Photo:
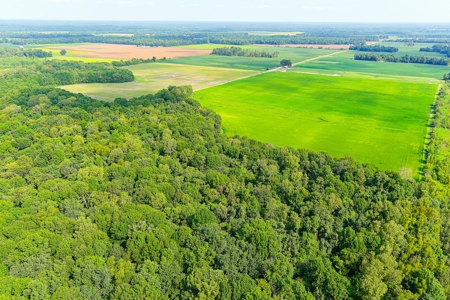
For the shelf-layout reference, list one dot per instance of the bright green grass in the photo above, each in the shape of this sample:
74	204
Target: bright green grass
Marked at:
250	63
153	77
343	62
375	121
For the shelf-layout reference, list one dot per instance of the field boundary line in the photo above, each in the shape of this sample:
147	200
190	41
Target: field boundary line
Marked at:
275	69
428	135
316	58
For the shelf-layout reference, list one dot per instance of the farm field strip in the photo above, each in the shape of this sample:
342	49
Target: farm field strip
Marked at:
382	122
248	63
117	52
152	77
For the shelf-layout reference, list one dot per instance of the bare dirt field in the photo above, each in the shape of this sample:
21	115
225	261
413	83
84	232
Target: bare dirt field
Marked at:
127	51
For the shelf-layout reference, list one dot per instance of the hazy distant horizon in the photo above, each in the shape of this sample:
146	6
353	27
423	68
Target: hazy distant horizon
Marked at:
341	11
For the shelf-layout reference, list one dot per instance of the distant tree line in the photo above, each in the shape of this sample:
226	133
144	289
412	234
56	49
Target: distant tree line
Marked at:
133	61
237	51
422	40
404	59
10	52
374	48
441	48
176	39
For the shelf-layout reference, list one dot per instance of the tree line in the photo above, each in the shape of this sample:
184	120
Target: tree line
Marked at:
403	59
175	39
374	48
18	52
237	51
133	61
441	48
422	40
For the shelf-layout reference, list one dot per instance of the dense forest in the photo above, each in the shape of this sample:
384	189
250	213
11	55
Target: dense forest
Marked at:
441	48
374	48
404	59
237	51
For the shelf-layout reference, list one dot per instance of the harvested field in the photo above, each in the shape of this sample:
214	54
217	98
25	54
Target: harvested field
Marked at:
153	77
126	52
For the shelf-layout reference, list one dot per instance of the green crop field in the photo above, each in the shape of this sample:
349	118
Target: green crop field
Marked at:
376	121
343	62
411	51
153	77
249	63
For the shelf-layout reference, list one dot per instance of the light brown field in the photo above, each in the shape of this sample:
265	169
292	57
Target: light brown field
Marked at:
112	51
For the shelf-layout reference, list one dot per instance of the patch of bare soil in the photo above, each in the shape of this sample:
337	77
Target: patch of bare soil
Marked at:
113	51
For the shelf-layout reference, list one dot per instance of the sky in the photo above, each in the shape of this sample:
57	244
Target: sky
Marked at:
229	10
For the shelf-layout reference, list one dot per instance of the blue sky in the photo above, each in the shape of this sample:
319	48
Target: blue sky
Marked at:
230	10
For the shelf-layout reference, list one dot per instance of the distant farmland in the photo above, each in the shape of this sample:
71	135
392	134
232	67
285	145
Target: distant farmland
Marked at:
375	121
125	52
248	63
343	62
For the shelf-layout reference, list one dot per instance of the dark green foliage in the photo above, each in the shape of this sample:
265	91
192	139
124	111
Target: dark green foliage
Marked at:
441	48
404	59
16	52
19	73
237	51
374	48
133	61
286	63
